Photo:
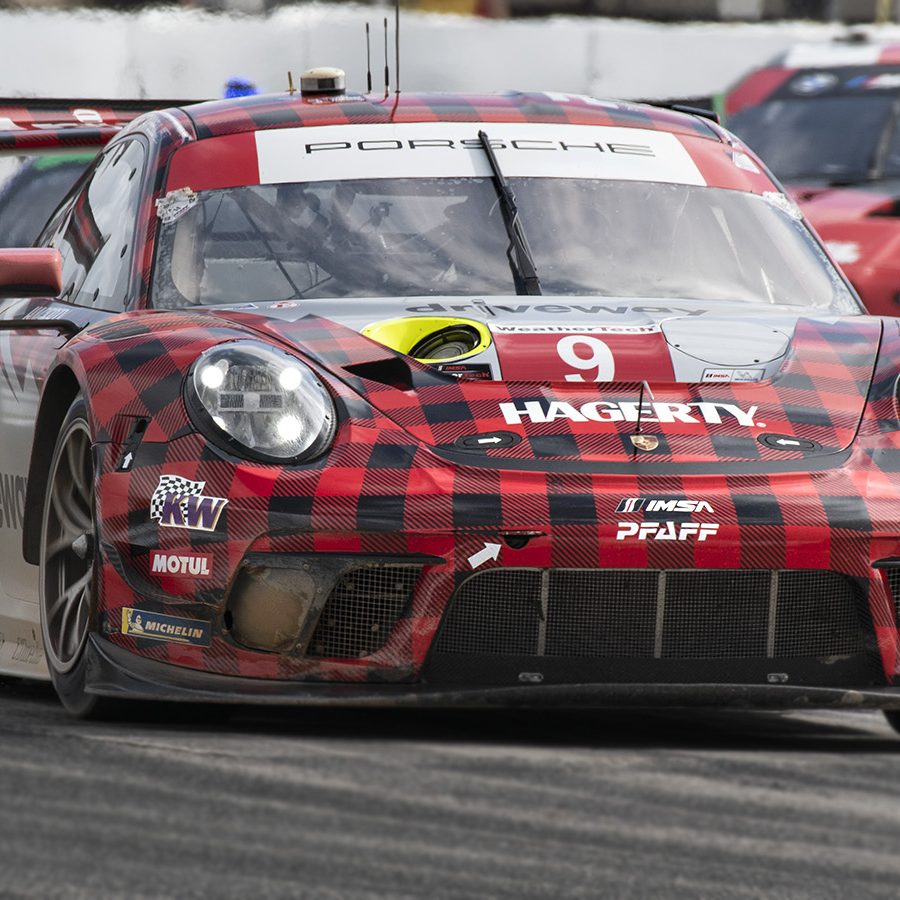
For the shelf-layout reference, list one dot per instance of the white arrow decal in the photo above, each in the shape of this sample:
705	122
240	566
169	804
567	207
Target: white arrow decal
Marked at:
490	440
490	551
786	441
126	462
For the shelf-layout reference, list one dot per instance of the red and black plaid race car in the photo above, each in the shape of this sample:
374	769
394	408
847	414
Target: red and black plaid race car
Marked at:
824	119
521	399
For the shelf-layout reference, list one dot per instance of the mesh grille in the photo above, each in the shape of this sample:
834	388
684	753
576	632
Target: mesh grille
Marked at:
362	610
624	613
817	624
893	579
511	627
714	615
582	621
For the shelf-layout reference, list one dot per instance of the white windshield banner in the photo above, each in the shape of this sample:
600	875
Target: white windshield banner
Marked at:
453	150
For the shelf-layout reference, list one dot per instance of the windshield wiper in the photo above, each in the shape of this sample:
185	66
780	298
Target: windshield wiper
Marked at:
521	262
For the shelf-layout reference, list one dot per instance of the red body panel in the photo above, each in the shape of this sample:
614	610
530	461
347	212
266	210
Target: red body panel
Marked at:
862	231
30	270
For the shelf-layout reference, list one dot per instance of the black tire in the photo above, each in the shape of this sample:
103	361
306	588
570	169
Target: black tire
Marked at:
68	564
893	718
67	595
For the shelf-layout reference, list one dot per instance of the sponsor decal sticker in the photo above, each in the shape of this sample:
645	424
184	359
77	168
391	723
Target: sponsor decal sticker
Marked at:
180	503
195	564
453	150
729	375
662	504
28	652
666	531
175	204
552	309
157	627
478	371
712	413
12	500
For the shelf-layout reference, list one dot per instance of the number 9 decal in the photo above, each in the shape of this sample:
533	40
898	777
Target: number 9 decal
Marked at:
598	357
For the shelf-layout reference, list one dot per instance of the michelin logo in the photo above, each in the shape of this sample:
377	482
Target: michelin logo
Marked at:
711	413
142	624
180	503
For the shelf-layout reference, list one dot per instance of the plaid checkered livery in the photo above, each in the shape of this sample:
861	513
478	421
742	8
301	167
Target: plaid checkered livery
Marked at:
393	483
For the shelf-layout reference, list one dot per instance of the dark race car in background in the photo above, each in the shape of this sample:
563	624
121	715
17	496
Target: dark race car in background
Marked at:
826	120
442	399
45	146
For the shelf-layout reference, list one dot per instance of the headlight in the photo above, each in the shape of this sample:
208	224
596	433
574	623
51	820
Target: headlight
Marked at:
260	402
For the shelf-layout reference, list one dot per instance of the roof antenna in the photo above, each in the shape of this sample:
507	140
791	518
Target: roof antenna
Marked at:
368	62
291	89
397	46
387	72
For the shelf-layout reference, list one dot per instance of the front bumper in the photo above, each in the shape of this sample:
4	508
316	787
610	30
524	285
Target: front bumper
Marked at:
114	672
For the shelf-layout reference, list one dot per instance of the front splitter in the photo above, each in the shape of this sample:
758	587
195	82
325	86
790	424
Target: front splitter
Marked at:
114	672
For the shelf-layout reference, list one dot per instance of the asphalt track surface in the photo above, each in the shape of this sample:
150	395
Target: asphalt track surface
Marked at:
348	804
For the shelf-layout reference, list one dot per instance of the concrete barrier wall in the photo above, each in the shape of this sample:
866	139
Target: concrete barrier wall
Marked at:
186	53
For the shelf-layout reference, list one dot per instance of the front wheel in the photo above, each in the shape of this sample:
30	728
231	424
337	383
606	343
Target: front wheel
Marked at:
68	579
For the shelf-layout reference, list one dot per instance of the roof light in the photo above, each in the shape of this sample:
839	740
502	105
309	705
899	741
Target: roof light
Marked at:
322	80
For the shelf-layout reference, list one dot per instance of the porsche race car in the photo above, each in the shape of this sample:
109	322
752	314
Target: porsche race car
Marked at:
325	398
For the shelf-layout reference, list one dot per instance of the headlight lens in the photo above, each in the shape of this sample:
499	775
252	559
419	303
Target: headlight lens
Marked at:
261	401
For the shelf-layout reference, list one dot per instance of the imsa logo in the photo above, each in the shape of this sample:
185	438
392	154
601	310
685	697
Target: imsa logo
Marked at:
662	504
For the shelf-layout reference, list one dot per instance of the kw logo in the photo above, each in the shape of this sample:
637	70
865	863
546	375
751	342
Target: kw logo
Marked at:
180	503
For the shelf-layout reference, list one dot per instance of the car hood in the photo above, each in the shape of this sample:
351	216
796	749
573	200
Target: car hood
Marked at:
702	383
823	204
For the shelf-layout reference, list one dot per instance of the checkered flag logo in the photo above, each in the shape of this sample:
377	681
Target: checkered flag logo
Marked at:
182	488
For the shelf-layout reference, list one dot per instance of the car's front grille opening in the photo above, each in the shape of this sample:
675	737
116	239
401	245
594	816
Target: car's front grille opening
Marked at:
677	614
362	610
577	625
893	579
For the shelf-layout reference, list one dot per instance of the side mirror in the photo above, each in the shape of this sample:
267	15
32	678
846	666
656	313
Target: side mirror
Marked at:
30	272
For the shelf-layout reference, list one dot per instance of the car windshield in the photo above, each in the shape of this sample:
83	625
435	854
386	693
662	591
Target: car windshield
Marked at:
835	139
420	236
31	187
